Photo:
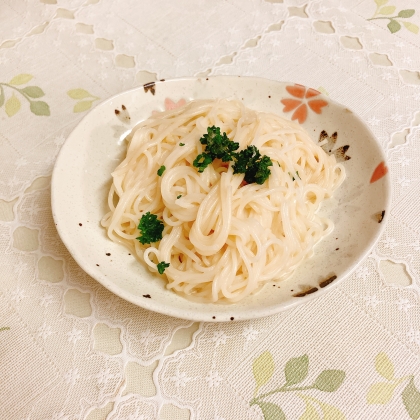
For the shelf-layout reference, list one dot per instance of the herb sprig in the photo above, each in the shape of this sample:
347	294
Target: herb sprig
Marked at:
218	146
162	266
253	165
248	161
150	228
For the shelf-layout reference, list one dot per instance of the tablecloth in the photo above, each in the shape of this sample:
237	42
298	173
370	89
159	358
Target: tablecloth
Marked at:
70	349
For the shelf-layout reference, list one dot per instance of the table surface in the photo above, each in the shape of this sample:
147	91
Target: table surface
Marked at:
70	349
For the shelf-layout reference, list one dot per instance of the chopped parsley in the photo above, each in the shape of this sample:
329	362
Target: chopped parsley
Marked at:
218	146
202	161
293	178
162	266
248	161
161	170
150	228
255	167
179	196
182	144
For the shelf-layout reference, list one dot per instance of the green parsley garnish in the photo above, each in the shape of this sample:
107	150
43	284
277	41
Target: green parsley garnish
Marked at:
253	165
182	144
150	228
161	170
218	146
202	161
293	178
179	196
162	266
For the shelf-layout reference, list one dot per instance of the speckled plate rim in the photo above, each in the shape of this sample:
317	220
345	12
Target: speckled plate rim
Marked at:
155	305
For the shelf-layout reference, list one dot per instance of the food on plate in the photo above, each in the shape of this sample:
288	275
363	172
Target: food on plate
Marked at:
220	199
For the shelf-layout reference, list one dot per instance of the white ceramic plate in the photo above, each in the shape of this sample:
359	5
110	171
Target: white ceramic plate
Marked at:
81	181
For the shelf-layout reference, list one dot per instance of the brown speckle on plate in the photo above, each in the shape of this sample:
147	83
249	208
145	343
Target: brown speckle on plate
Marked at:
80	224
162	80
97	265
108	254
147	296
380	216
340	153
232	318
337	249
123	115
327	281
150	87
306	292
328	147
213	317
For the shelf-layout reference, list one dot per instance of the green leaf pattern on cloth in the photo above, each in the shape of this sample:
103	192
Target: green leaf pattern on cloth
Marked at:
4	328
310	412
12	105
394	24
383	392
263	369
11	95
384	366
296	370
329	380
80	94
271	411
21	79
411	399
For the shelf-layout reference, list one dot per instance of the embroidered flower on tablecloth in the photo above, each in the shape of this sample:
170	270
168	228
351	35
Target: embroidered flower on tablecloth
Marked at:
250	333
219	337
213	379
416	245
44	331
389	243
147	337
72	376
74	335
403	304
103	376
372	301
180	379
17	295
414	336
301	104
362	273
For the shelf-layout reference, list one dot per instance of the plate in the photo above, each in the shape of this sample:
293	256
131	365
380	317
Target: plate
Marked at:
81	180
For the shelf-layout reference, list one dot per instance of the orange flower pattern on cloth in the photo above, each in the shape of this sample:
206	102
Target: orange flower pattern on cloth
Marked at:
304	96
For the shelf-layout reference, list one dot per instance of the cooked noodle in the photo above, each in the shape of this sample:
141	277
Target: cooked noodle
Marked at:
223	239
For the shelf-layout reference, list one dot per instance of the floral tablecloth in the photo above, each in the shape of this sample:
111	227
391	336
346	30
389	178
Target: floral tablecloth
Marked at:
69	349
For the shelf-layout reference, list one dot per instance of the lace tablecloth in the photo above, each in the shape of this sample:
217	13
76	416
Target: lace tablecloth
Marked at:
69	349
